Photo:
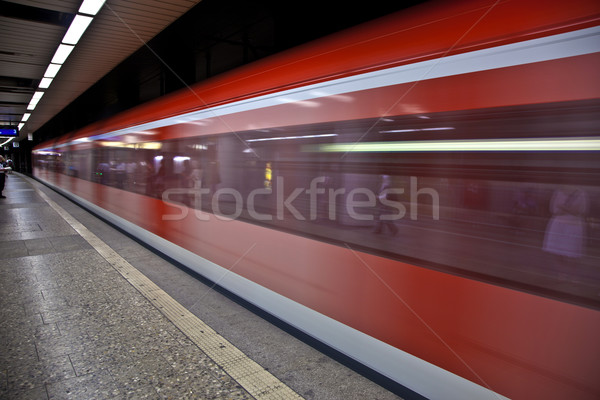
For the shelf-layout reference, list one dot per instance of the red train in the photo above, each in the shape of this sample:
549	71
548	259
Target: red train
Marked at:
421	192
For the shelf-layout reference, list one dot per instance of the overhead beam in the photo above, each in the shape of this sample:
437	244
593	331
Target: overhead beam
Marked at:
19	11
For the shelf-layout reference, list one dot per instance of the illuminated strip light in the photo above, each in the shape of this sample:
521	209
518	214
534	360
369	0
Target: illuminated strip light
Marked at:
291	137
32	104
564	45
547	144
145	146
62	53
76	29
52	70
45	83
91	7
34	100
442	128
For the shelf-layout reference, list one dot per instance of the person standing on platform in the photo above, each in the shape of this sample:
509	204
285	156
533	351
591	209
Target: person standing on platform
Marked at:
3	168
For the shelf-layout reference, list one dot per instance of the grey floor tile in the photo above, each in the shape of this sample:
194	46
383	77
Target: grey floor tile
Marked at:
58	346
95	358
39	373
36	393
9	228
11	248
140	372
70	314
19	357
16	322
198	384
42	305
86	362
97	385
39	246
12	307
144	392
46	331
68	243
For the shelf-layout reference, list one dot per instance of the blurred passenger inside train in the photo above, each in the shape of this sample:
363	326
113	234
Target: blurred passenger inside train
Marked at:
384	211
566	232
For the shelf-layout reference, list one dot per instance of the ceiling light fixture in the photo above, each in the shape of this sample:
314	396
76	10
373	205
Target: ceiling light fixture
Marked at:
52	70
45	83
77	28
34	100
62	53
91	7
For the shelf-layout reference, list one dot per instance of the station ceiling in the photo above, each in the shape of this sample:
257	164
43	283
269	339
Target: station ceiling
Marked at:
31	31
116	46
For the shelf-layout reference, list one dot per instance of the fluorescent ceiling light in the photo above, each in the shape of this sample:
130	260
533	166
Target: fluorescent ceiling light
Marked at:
45	83
21	125
25	117
32	104
34	100
91	6
547	144
62	53
78	26
52	70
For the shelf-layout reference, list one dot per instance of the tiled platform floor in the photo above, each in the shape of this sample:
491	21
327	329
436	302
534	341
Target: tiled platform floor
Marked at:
72	328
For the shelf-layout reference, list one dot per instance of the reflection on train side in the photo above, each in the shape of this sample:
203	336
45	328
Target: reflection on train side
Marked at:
524	217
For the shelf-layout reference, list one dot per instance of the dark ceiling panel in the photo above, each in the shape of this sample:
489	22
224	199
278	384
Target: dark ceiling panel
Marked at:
28	13
32	31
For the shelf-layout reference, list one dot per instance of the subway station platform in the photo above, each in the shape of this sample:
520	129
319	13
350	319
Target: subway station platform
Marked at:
89	313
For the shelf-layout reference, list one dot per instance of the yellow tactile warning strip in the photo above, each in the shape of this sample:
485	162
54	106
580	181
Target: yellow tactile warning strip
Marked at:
251	376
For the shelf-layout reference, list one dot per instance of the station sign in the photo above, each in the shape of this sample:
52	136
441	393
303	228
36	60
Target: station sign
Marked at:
12	132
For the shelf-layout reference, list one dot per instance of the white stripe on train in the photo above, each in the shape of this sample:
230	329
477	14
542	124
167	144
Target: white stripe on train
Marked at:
564	45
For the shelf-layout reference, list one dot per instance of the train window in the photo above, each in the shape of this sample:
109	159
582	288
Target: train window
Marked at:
488	194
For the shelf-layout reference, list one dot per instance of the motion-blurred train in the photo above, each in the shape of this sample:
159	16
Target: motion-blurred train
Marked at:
421	193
